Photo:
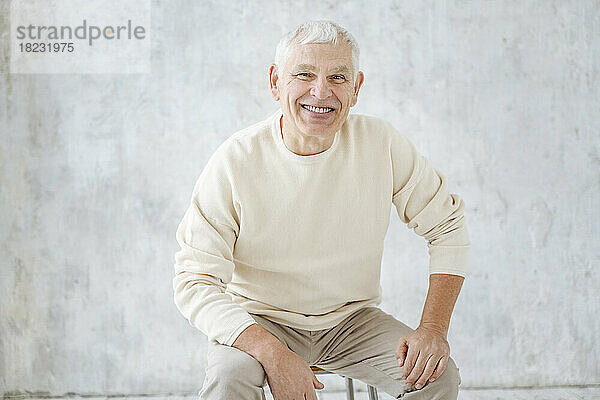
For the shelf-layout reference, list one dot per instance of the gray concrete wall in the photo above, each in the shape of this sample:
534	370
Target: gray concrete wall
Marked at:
97	170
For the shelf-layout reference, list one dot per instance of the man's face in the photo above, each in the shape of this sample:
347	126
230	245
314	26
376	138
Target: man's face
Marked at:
316	75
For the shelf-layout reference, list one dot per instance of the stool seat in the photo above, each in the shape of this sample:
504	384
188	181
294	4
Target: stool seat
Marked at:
349	384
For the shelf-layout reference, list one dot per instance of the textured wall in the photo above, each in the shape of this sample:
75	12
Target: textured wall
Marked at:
97	170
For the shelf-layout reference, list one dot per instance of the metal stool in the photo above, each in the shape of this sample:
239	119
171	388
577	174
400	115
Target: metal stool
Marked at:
349	385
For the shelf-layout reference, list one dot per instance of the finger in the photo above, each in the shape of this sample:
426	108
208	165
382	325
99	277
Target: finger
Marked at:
417	370
411	358
439	369
401	350
312	394
429	368
317	383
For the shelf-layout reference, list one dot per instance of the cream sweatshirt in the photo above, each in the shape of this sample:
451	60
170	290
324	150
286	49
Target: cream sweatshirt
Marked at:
299	239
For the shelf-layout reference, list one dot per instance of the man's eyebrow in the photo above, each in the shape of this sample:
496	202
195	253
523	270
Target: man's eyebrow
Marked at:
341	68
309	67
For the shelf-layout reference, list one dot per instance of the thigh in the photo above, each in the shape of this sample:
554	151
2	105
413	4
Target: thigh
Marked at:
363	347
297	340
366	333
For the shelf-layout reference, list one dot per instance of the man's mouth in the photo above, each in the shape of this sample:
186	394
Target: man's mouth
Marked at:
318	110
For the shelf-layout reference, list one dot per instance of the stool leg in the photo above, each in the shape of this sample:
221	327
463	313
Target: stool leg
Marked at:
372	393
349	389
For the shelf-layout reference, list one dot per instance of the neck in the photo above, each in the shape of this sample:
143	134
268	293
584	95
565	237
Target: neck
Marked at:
301	144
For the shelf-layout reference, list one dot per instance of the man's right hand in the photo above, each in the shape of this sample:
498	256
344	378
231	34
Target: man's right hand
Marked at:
288	375
290	378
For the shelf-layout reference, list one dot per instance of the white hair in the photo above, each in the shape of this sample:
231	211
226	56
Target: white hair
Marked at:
321	31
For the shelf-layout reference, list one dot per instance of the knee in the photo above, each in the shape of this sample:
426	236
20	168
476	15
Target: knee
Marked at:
449	380
238	368
452	371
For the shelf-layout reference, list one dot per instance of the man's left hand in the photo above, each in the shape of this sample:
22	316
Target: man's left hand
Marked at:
424	353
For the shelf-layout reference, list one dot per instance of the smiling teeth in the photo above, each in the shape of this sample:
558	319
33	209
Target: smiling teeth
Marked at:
317	109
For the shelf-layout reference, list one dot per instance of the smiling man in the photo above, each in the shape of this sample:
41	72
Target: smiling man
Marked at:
282	241
316	89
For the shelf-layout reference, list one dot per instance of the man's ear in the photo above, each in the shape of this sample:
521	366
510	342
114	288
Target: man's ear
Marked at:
360	78
273	80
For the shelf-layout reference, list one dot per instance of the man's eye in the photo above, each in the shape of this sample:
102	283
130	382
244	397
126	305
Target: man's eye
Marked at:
339	77
303	74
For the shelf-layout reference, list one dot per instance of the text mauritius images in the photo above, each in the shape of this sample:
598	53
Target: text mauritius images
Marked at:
84	31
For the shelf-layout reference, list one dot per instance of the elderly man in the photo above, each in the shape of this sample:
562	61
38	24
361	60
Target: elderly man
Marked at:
281	244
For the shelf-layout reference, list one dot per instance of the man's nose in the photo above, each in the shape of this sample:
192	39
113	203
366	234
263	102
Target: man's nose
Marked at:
320	89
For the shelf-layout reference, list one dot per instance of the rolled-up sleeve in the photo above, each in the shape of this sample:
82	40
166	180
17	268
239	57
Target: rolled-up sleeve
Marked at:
423	202
204	264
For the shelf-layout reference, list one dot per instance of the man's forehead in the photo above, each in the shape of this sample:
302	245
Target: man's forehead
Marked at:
311	56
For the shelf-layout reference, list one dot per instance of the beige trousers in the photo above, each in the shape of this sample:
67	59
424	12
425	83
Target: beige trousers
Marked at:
361	347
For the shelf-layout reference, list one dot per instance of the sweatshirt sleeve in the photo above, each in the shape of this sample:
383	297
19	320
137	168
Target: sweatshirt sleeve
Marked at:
423	201
204	264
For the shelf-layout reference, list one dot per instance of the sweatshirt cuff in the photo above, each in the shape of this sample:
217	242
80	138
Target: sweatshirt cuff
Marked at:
458	271
451	260
229	338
